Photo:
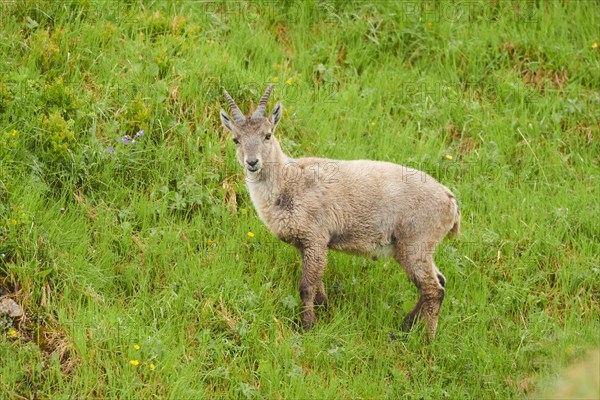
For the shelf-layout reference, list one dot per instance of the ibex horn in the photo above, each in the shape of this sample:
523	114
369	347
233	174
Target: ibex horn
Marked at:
262	104
238	116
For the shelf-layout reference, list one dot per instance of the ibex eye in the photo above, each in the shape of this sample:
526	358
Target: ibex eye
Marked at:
267	136
236	141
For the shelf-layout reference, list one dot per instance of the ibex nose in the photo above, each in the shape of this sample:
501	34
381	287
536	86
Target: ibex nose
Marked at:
252	163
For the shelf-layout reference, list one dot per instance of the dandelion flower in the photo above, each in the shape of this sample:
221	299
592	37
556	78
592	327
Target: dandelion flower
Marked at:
595	45
135	363
151	366
448	157
244	211
250	234
12	333
276	79
288	82
136	346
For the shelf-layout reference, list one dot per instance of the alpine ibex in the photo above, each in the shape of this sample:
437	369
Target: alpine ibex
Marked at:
362	207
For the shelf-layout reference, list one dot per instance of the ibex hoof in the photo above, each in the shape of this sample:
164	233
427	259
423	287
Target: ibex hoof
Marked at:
321	301
308	320
307	325
409	321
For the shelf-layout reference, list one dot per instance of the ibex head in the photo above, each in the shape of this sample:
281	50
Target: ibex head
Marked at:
253	135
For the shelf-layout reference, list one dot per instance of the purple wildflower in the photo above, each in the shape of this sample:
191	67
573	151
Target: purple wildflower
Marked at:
126	139
111	149
139	134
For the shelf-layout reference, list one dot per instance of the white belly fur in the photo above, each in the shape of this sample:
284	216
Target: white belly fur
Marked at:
375	253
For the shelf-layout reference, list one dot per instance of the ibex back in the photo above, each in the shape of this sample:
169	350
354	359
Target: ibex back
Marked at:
362	207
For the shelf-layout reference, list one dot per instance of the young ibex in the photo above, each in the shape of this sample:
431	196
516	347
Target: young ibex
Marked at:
362	207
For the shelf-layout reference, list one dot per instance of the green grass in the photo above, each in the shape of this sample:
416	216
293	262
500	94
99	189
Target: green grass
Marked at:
149	245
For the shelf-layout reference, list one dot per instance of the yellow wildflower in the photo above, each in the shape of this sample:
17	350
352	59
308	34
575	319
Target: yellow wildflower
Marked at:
276	79
151	366
12	333
429	25
209	242
373	123
136	346
289	82
244	211
13	221
595	45
13	133
135	363
250	234
448	157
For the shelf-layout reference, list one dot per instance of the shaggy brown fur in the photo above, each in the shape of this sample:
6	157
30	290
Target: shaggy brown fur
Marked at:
362	207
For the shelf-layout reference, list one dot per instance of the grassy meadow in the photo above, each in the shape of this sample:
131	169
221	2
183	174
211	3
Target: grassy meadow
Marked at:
145	272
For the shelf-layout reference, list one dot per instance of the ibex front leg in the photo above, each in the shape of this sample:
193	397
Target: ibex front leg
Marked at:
311	284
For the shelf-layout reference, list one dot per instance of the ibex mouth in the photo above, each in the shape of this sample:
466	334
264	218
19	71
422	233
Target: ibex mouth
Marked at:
253	169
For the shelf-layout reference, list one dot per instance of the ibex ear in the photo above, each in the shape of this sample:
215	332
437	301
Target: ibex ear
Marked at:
276	114
226	121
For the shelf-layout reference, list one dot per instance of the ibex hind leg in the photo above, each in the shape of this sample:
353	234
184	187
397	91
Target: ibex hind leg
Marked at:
426	277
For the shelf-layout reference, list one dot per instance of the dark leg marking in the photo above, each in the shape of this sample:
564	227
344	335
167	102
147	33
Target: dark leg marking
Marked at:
442	280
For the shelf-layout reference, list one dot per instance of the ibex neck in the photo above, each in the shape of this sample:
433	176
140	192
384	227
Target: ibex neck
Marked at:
266	186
